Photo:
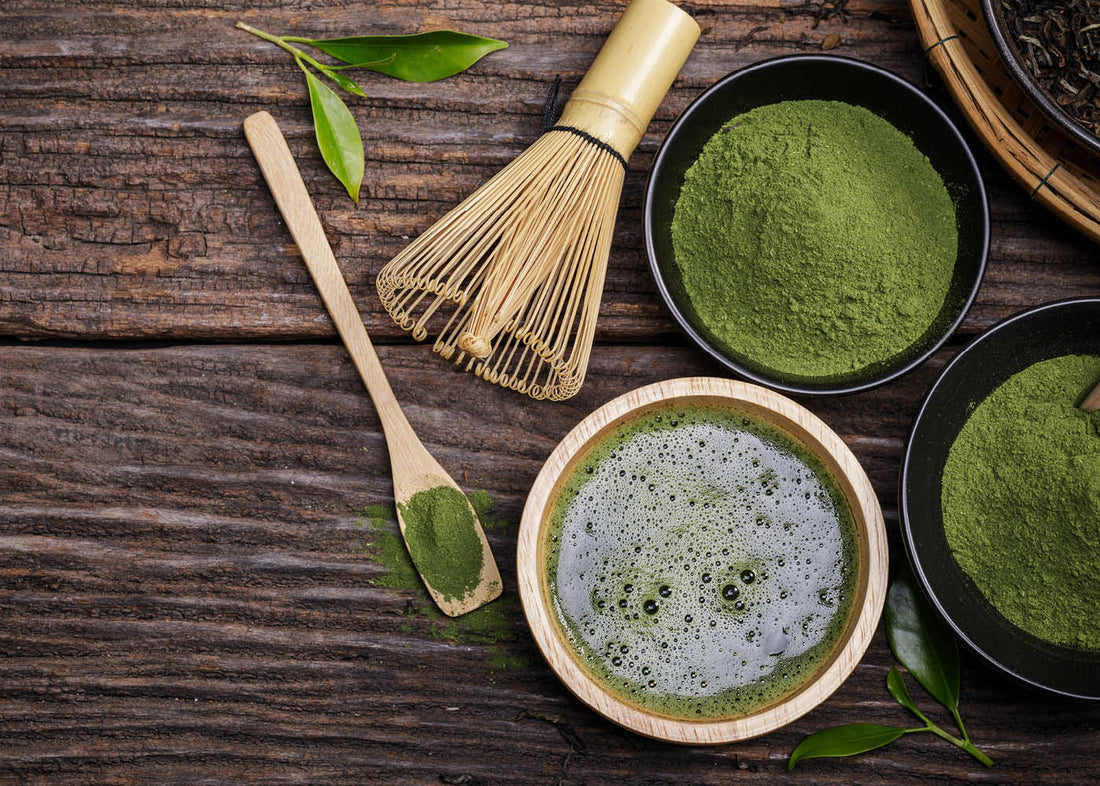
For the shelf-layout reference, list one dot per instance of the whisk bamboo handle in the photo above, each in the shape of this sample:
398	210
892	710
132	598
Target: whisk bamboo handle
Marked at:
281	173
630	76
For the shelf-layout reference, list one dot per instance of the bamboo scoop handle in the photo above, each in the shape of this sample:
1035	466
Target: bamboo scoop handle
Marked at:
277	164
1092	400
414	469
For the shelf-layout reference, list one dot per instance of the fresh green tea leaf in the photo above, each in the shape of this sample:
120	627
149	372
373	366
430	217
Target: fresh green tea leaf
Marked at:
896	685
345	82
424	57
925	646
364	66
921	641
844	741
337	135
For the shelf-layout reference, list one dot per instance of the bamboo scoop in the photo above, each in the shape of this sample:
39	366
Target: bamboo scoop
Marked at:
1092	400
413	467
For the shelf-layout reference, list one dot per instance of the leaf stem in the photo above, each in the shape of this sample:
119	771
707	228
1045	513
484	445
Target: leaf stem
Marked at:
281	41
967	745
963	743
977	754
922	716
959	722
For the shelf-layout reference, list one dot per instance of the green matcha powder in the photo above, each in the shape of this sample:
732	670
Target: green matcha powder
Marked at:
497	626
441	532
813	239
701	563
1021	501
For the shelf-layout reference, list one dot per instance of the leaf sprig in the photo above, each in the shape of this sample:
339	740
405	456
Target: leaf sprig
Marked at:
424	57
926	648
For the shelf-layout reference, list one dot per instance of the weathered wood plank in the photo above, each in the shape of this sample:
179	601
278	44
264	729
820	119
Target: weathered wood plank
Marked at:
184	592
130	206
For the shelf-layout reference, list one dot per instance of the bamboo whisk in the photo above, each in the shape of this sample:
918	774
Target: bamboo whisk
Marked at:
514	274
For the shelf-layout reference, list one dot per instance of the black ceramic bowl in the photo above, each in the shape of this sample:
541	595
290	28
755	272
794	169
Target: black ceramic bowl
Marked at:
828	78
1006	46
1064	328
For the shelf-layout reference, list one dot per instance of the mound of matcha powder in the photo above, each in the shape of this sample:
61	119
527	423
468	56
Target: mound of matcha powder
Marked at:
441	533
813	239
1021	501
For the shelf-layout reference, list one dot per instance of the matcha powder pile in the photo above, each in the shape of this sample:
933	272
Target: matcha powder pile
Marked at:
813	239
1021	501
441	533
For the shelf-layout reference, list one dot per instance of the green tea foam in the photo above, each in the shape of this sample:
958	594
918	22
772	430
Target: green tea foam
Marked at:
701	562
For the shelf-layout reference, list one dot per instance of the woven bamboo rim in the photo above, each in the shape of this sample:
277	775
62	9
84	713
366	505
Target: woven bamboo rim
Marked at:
1058	172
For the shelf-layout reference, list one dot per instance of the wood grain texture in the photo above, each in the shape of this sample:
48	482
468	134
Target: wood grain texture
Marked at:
184	593
130	206
769	407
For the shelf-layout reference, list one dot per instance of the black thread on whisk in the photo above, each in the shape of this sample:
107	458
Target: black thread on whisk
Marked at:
587	137
551	111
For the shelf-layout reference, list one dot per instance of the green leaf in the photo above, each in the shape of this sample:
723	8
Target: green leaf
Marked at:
337	135
921	641
896	684
844	741
345	82
424	57
364	66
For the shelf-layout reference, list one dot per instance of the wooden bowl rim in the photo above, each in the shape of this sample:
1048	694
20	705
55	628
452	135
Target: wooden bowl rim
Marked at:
815	436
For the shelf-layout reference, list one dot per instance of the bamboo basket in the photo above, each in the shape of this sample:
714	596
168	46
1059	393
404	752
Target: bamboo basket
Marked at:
1058	172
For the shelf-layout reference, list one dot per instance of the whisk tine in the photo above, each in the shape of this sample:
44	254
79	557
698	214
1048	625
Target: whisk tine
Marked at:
514	274
527	264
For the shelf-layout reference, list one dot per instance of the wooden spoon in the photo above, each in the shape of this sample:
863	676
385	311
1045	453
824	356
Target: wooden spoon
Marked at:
1092	400
413	467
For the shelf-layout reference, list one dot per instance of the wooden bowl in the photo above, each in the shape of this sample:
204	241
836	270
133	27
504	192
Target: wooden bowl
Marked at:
812	435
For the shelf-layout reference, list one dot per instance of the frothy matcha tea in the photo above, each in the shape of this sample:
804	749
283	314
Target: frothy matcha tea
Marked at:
701	562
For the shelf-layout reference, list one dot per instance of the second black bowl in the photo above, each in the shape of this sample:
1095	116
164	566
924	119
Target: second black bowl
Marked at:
829	78
1070	327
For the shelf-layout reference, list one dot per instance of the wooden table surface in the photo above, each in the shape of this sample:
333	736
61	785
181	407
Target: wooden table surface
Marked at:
197	579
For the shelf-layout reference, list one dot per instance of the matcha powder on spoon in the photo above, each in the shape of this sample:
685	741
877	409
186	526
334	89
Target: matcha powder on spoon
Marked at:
813	239
441	533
